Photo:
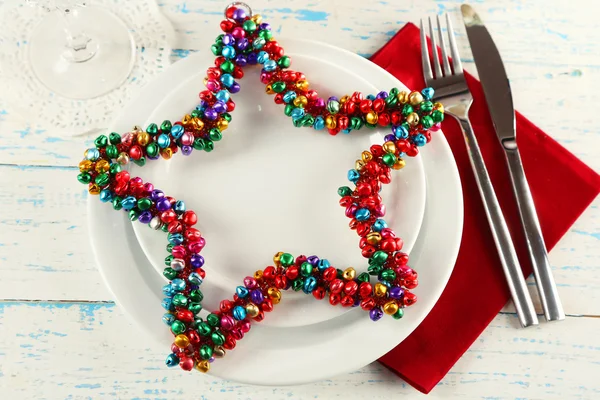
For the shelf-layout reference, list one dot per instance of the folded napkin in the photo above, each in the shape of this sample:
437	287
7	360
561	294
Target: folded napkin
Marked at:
561	185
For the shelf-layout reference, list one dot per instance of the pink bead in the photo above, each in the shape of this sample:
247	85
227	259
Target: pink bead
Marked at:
320	103
174	348
213	85
265	77
351	210
227	322
238	32
127	138
250	282
436	127
187	139
237	334
387	233
148	187
197	247
136	181
380	210
245	325
178	252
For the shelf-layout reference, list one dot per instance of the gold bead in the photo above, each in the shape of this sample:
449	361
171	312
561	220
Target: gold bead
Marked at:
137	128
269	89
252	310
205	81
359	165
390	308
438	106
102	166
94	188
181	341
412	119
143	138
415	98
389	147
366	156
203	366
399	164
222	124
197	123
371	118
277	257
85	165
330	122
123	158
403	97
302	85
187	119
258	274
373	238
344	99
300	101
380	289
166	153
274	294
349	274
219	352
257	18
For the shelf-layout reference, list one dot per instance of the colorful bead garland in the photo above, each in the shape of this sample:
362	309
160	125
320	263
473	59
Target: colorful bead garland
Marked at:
247	40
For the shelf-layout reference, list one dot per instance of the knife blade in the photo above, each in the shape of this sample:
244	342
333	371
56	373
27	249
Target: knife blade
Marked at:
498	96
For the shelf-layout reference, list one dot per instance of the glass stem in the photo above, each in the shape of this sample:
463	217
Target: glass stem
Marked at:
79	46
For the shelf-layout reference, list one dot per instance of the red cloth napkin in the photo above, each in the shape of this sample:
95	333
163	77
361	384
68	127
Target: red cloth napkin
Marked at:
561	185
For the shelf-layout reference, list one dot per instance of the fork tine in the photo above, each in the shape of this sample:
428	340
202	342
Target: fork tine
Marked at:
425	64
455	56
434	53
445	63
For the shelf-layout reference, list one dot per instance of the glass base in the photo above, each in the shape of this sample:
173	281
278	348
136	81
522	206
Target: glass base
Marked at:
100	65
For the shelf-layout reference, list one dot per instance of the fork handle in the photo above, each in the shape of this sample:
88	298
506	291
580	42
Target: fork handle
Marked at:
506	250
542	271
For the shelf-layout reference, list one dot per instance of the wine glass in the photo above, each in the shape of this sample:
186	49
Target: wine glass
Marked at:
80	51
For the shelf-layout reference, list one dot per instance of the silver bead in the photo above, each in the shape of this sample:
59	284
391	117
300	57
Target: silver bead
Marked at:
177	264
155	223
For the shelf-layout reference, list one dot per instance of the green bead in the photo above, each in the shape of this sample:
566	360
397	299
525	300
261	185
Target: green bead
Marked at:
170	247
115	168
112	151
391	101
364	277
101	141
169	273
344	191
407	109
370	126
144	204
399	314
102	179
339	273
166	126
278	86
249	26
297	123
394	92
297	284
226	117
213	319
356	123
114	138
141	162
258	43
219	39
152	129
152	149
209	145
437	116
117	203
164	228
426	107
204	329
133	215
286	259
177	327
217	337
215	134
426	122
378	258
196	296
198	144
389	159
375	269
227	66
179	300
216	49
266	34
196	113
306	269
307	120
84	178
284	62
168	260
287	110
388	275
333	107
206	352
195	308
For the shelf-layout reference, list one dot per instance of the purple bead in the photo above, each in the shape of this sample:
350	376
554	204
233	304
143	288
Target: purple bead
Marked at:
163	204
145	217
240	60
228	39
221	107
154	157
376	314
203	104
382	95
197	260
252	58
242	43
239	14
210	114
265	26
157	194
389	138
212	359
313	260
257	296
235	87
333	98
396	292
186	150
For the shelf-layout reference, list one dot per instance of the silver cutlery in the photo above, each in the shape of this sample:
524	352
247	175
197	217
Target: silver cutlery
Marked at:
496	88
451	89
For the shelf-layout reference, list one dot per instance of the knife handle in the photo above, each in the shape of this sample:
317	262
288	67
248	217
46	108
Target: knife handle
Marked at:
553	309
504	245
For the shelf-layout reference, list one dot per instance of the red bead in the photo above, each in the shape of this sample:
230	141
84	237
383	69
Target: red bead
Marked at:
367	304
388	245
346	201
280	282
168	216
350	288
189	218
363	242
300	260
363	228
229	343
333	131
329	274
237	334
409	298
343	122
385	177
192	235
336	286
356	97
312	95
229	12
267	305
368	251
226	26
230	105
201	272
269	273
377	150
225	306
372	168
278	98
347	301
319	293
185	315
206	95
384	119
365	106
135	152
175	226
396	118
365	290
121	188
213	73
245	326
401	258
334	299
122	177
175	349
292	272
186	363
412	151
350	108
238	73
411	284
260	316
378	105
363	189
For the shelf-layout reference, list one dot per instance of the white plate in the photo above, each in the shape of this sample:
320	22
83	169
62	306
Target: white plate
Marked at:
317	347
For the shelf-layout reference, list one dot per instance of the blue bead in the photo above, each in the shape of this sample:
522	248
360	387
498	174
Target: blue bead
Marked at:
195	278
319	123
270	65
241	291
92	154
353	175
179	207
400	131
370	97
323	265
177	131
227	80
427	93
228	52
309	284
178	284
379	225
129	203
297	113
420	140
202	106
258	43
175	238
222	95
172	360
168	319
262	57
106	195
163	141
289	96
346	131
167	304
167	290
251	58
239	313
362	214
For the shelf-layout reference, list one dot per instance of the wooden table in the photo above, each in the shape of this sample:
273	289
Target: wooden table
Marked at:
61	336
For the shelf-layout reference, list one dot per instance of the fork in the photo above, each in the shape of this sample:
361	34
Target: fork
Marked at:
450	88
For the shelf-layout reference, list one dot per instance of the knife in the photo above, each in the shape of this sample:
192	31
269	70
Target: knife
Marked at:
496	88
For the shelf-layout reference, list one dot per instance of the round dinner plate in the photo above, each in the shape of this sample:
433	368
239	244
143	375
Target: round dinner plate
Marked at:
267	187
